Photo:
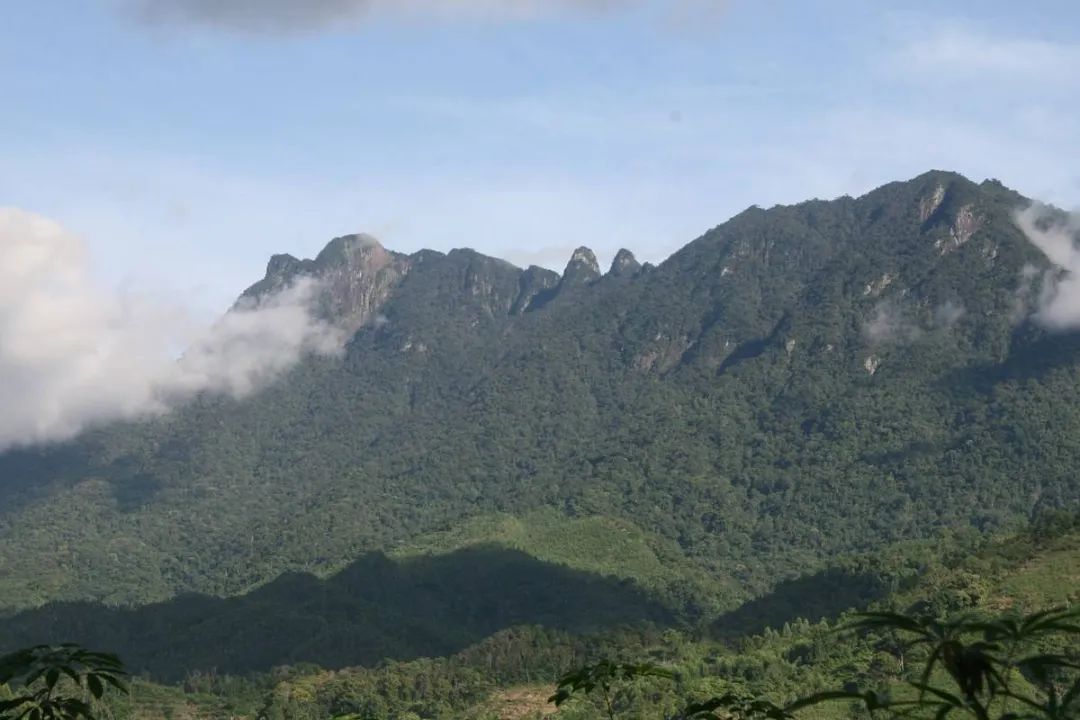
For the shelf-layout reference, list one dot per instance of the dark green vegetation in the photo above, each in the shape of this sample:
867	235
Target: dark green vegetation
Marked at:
785	419
512	673
373	610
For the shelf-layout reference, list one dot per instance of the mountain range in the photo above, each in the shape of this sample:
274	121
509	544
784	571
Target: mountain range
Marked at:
800	385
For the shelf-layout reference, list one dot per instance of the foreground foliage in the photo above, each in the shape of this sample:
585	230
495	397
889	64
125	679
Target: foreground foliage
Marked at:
57	682
994	669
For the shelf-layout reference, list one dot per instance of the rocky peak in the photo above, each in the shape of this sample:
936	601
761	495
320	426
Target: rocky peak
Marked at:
356	275
582	268
949	209
280	271
359	275
283	264
624	264
352	251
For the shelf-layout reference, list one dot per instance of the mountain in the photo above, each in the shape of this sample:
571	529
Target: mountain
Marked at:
799	384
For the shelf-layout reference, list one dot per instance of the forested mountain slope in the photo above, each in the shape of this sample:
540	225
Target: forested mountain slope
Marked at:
511	673
798	384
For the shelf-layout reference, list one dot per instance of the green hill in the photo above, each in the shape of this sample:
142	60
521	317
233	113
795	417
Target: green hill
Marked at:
600	545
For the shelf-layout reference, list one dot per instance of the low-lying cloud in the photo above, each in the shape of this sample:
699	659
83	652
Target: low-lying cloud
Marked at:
1055	234
73	355
889	324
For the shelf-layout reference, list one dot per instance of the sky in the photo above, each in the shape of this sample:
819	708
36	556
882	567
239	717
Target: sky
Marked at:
155	153
185	141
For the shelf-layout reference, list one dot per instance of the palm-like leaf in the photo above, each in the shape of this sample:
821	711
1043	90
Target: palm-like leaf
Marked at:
37	672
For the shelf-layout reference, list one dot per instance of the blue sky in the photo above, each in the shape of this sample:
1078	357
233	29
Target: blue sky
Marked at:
185	144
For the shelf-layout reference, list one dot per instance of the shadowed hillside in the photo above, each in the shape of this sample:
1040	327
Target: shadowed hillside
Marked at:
823	595
374	610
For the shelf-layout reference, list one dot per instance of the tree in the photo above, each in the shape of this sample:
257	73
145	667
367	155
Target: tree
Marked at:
603	676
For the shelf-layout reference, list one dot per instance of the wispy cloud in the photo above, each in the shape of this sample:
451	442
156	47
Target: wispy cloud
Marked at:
947	314
293	16
72	354
289	17
889	325
958	52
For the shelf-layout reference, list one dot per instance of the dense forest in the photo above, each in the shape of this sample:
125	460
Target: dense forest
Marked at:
511	471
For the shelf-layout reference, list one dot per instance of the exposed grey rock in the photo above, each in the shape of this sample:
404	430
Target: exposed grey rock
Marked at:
355	273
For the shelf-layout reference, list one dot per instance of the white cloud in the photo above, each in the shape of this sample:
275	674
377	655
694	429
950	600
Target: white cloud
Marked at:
1055	234
72	354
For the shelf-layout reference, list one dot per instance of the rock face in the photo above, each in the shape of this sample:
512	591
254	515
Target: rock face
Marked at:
624	264
965	225
360	274
355	273
929	204
535	286
951	207
962	227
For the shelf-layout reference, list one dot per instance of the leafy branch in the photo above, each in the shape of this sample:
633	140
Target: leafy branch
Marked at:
42	677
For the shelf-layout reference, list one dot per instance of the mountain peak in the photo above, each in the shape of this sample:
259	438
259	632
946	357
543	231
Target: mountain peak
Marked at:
348	249
624	264
582	268
356	275
284	264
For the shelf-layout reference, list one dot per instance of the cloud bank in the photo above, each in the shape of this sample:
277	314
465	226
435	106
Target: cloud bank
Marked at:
300	16
72	355
1055	234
